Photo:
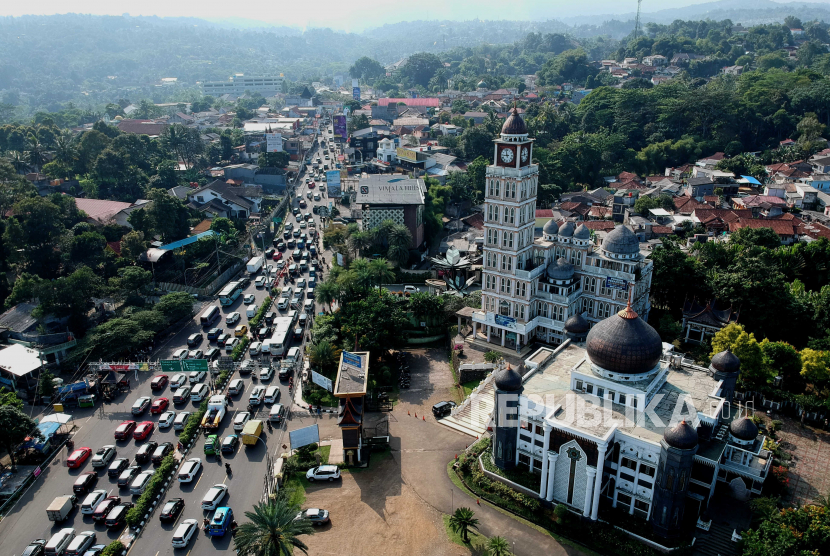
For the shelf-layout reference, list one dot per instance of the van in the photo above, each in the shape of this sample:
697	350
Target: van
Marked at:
182	395
310	293
272	394
277	414
181	420
236	386
210	315
308	306
59	541
251	310
200	392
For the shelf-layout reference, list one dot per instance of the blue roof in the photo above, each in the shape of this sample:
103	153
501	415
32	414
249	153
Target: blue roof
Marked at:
187	241
751	180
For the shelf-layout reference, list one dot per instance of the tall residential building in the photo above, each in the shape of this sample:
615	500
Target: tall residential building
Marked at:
240	84
530	286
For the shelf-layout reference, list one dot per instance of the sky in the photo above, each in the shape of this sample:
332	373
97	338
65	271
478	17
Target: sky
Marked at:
335	13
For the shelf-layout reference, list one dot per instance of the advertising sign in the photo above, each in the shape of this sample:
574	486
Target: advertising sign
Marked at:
616	283
501	320
340	129
352	360
356	93
190	365
171	366
273	142
333	183
406	154
304	436
340	259
321	381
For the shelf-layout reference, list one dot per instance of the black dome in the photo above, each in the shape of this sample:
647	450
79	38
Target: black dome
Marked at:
621	241
683	436
726	362
624	343
514	124
743	429
508	380
560	270
551	227
577	324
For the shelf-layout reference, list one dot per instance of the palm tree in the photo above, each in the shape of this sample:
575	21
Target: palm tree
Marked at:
362	273
358	241
498	547
400	238
383	232
35	152
381	271
327	291
65	150
19	162
462	520
323	355
272	531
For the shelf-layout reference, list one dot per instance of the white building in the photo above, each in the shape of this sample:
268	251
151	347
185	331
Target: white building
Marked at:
240	84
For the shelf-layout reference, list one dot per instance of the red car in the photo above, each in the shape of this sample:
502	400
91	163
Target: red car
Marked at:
124	430
143	430
311	185
78	457
159	382
159	405
277	256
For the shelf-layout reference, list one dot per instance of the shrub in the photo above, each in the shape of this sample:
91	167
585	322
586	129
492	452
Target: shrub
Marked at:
191	429
560	513
115	548
142	505
260	314
240	348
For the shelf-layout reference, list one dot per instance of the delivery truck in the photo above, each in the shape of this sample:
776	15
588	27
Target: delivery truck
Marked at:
215	411
60	507
251	432
255	264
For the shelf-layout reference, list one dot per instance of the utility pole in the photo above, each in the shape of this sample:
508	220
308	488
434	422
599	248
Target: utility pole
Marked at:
637	20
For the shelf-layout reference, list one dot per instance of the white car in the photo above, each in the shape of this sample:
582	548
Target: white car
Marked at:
266	373
81	543
103	456
233	318
92	499
197	376
272	394
184	532
240	420
189	470
166	419
323	473
200	392
257	395
248	299
181	420
195	354
260	281
60	540
177	381
255	348
140	482
230	344
214	496
410	289
237	386
180	354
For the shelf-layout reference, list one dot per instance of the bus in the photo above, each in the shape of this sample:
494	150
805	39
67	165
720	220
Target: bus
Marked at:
278	342
230	293
210	315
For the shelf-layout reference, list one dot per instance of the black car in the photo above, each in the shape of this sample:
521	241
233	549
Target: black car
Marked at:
442	409
171	509
244	281
281	246
35	548
162	451
213	353
145	451
223	337
117	466
298	333
194	339
85	482
286	234
213	333
127	476
269	252
270	316
263	332
117	515
96	550
286	372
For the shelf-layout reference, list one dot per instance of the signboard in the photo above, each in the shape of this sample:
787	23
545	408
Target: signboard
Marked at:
273	142
356	93
340	259
352	360
501	320
333	183
321	381
616	283
340	129
190	365
304	436
170	366
406	154
118	366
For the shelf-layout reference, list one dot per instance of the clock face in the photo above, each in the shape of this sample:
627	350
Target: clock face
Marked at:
507	155
525	154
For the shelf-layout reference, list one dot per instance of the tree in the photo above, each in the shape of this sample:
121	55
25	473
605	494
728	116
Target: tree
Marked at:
463	520
381	271
131	280
747	349
273	160
367	69
571	65
166	216
46	385
357	122
491	356
272	531
15	426
13	187
476	142
175	306
783	359
327	292
498	546
815	365
790	531
133	245
421	67
323	355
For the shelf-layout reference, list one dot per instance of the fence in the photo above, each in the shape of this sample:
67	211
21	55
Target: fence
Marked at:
791	407
218	282
474	371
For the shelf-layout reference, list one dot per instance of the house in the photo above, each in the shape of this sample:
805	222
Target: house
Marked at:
786	143
580	209
272	180
598	212
733	70
699	187
761	205
717	220
680	59
476	117
786	229
238	201
623	200
181	118
655	60
583	197
141	127
710	161
100	212
706	320
820	165
686	205
47	336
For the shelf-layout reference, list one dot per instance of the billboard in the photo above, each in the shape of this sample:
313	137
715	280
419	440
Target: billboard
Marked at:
356	93
273	142
352	360
406	154
340	129
616	283
304	436
502	320
333	183
321	381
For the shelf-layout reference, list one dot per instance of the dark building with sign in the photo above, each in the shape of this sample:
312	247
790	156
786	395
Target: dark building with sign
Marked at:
393	197
350	388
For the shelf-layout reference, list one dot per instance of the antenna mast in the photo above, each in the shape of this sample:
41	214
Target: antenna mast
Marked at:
637	21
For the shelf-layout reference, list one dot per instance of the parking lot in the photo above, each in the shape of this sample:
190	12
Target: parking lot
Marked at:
95	428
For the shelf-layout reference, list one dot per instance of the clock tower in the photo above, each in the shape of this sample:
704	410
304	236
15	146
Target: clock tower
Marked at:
509	220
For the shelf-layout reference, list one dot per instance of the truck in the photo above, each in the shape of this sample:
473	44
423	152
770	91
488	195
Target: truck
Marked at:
251	432
255	264
217	407
60	507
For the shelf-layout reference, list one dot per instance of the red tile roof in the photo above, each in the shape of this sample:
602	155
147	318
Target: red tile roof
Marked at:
780	227
115	246
100	210
141	127
716	156
661	230
475	220
813	230
687	205
202	226
599	225
579	208
424	101
544	213
599	212
627	176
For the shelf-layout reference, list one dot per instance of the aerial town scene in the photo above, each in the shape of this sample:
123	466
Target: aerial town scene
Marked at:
435	279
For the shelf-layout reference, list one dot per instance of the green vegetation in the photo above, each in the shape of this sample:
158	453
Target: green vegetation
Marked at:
273	529
260	314
15	426
115	548
463	521
191	429
239	349
803	530
154	487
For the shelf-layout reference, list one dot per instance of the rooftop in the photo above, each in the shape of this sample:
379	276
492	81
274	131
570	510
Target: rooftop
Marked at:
390	190
352	380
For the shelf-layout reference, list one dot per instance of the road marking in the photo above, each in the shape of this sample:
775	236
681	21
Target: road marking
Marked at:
198	481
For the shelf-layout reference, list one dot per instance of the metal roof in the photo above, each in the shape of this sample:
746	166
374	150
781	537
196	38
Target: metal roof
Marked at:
186	241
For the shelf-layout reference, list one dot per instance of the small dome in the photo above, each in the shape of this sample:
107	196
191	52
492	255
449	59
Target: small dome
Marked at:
726	362
481	84
551	228
560	270
514	124
743	429
582	232
577	324
508	380
621	241
683	436
567	229
624	343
